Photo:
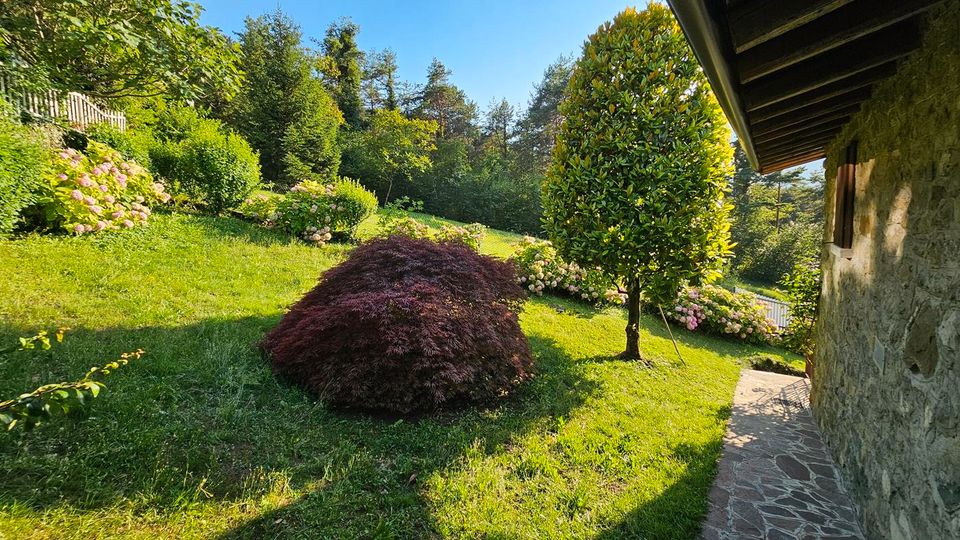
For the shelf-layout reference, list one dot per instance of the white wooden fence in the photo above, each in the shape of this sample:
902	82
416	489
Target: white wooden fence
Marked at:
77	109
777	310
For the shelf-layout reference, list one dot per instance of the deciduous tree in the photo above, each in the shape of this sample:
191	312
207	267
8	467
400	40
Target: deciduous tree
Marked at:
116	48
640	166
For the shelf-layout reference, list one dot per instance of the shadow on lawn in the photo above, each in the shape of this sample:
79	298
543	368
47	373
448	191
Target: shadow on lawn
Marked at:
685	500
200	418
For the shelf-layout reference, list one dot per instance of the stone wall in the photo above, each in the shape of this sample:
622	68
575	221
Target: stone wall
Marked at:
886	384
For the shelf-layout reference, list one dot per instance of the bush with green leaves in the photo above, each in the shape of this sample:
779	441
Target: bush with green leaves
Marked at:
540	269
203	160
33	408
132	144
718	311
639	170
259	207
470	235
96	191
23	158
316	212
802	287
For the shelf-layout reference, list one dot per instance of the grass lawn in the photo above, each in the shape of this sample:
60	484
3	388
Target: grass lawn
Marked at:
197	439
757	288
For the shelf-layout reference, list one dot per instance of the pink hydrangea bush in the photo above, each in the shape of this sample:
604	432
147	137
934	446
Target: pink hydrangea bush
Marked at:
540	269
98	190
718	311
259	207
469	235
314	211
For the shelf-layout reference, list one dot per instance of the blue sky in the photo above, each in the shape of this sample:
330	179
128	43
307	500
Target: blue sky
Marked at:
495	49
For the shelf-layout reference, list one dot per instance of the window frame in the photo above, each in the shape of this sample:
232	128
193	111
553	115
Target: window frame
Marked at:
845	205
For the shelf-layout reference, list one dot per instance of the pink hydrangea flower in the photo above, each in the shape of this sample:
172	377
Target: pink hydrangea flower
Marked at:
96	209
62	176
104	188
89	200
110	199
97	171
117	215
86	182
64	155
127	223
78	228
101	225
76	195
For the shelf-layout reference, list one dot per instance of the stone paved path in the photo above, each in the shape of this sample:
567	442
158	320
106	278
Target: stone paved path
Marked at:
776	479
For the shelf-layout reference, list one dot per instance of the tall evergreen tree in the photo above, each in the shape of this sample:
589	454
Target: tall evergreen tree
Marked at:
340	46
537	129
379	80
283	109
499	125
445	104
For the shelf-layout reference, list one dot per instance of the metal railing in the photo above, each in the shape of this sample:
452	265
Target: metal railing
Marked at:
777	310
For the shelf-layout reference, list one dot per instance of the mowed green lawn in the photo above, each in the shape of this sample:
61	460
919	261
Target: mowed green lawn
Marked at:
197	439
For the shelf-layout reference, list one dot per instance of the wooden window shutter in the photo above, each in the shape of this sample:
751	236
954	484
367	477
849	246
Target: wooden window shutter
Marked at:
846	193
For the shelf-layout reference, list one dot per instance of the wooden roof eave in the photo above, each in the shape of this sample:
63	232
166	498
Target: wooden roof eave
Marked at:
708	42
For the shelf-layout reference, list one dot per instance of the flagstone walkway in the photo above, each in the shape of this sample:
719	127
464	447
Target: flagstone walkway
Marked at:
776	479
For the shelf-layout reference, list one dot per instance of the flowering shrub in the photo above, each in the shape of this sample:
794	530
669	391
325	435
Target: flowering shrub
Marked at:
541	269
259	207
98	191
469	235
406	226
406	324
719	311
316	211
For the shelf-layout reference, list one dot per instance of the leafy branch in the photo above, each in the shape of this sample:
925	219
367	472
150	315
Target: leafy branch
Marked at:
33	408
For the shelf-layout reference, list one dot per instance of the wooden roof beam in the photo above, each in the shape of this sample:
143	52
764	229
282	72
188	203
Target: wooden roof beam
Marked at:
813	110
841	26
838	89
772	131
792	143
874	50
757	21
799	148
767	168
803	134
795	153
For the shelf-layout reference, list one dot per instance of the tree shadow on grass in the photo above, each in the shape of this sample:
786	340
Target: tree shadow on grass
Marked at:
200	418
678	511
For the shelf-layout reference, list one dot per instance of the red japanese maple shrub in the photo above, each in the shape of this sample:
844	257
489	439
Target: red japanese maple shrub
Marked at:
403	325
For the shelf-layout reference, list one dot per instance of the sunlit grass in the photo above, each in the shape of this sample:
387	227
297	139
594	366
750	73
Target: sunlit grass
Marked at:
198	439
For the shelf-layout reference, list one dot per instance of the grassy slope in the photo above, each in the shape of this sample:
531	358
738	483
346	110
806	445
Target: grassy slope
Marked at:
197	439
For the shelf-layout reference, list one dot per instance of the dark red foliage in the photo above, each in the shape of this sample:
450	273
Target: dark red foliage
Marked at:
405	325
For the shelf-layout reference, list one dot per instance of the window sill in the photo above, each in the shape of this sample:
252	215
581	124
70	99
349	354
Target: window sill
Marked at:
843	253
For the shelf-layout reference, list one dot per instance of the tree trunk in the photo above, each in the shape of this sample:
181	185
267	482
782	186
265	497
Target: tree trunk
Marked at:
632	352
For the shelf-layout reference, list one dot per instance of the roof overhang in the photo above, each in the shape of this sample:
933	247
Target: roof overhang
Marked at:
790	73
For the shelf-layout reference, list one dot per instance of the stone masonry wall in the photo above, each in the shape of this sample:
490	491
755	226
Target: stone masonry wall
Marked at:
886	383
